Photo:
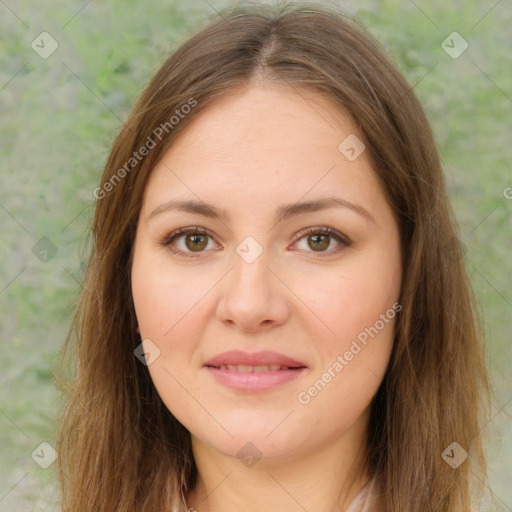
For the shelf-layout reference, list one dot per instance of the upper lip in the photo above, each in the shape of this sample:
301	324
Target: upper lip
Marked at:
263	358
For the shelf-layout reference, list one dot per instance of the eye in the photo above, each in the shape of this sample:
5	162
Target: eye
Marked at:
196	240
319	239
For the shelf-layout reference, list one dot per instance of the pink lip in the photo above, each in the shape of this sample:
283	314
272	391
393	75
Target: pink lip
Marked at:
253	359
254	381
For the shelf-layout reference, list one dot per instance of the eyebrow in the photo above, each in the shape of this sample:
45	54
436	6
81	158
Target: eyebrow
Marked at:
282	213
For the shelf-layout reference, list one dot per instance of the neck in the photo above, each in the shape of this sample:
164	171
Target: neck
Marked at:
326	480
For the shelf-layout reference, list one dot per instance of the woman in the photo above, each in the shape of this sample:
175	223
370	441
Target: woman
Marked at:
273	308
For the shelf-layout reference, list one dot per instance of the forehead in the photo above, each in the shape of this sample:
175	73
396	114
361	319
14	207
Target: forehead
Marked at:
251	117
259	144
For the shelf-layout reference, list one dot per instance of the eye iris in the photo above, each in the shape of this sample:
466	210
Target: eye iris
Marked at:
196	242
324	241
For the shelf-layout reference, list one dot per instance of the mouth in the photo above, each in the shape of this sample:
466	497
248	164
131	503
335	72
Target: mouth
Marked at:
263	361
254	372
247	368
252	379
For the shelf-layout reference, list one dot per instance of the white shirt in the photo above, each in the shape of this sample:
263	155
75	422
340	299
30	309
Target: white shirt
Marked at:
361	502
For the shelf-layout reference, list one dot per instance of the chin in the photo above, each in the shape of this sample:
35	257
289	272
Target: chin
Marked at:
256	439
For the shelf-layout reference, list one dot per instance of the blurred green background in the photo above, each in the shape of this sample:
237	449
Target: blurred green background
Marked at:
60	114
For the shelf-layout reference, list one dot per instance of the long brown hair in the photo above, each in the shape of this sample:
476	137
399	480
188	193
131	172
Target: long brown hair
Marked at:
119	447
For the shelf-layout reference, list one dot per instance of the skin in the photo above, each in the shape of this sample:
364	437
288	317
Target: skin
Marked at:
250	152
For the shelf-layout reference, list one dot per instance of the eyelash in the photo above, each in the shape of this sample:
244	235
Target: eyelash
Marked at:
345	242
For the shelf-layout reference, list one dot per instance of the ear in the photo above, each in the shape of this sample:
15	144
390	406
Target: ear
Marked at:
138	329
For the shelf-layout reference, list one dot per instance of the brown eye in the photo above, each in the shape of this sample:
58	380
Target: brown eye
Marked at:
318	242
192	240
196	242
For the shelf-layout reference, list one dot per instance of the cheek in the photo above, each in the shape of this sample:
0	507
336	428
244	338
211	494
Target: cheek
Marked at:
353	298
353	362
168	308
165	301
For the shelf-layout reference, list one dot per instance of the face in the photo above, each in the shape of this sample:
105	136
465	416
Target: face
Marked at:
306	294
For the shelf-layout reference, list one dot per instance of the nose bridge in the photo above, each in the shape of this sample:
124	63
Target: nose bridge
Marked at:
251	295
251	273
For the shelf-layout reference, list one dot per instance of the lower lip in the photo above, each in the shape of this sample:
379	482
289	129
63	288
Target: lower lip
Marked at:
254	381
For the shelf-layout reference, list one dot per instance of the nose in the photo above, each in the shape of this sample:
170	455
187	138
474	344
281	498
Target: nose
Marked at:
254	296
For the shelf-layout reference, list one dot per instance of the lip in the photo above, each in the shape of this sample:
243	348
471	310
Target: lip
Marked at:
254	381
262	358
